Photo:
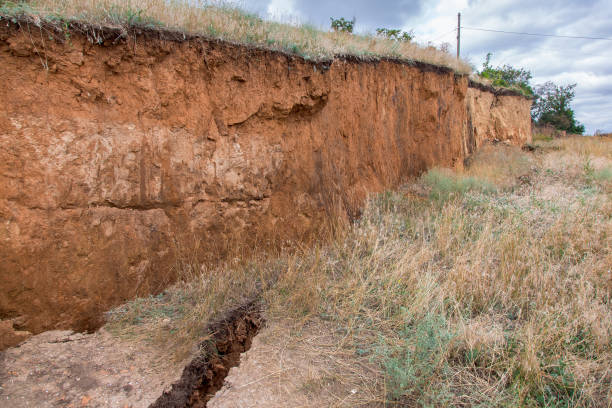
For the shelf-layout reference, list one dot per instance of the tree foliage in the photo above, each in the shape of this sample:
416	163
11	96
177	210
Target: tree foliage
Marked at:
552	107
507	76
342	24
551	102
396	35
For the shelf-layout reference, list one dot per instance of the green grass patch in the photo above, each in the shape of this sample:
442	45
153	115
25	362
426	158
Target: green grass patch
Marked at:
541	137
444	185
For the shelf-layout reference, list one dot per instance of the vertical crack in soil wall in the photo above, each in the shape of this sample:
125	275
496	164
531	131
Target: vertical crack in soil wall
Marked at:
204	375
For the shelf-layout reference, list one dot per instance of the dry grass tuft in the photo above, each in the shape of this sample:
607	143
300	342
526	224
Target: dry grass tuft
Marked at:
491	288
219	19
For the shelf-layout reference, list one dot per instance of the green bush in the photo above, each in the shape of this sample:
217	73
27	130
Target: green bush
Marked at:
552	107
343	25
507	76
395	35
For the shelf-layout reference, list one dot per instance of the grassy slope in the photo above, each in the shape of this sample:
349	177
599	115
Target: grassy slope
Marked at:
485	288
220	20
216	19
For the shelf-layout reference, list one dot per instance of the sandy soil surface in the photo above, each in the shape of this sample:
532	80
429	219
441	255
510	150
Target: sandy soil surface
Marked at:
300	371
287	366
64	369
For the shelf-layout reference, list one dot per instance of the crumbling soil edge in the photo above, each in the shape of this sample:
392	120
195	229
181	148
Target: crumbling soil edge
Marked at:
497	91
205	374
106	35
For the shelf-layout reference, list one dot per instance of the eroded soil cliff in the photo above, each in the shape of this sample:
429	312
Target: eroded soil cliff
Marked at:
496	116
119	154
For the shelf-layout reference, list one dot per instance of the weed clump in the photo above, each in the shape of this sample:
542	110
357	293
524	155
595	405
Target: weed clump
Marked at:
419	358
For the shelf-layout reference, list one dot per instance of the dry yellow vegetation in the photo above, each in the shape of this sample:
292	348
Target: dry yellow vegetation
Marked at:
225	21
488	287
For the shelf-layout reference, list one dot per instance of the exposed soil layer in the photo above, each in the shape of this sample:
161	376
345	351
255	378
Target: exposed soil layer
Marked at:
120	153
205	374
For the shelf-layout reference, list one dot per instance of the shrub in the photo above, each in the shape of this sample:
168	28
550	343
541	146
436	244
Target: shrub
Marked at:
552	107
395	35
507	76
14	8
343	25
410	367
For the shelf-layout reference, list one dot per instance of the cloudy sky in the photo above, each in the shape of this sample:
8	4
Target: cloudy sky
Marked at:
561	60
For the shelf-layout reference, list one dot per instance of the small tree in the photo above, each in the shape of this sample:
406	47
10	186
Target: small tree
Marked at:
343	25
552	107
507	76
396	35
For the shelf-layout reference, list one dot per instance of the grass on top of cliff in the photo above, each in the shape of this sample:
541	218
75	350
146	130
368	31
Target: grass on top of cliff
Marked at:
488	287
222	20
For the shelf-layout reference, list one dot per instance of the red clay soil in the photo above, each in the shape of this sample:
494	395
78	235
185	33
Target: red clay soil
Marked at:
120	154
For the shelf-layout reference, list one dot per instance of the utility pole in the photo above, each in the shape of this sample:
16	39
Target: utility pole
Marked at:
458	34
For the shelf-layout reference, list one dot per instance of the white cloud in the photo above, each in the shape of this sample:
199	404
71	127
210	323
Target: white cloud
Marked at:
283	10
436	20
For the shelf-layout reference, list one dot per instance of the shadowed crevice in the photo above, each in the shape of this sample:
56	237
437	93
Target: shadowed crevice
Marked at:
231	336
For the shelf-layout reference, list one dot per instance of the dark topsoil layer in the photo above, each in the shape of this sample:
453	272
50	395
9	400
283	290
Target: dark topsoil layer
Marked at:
109	36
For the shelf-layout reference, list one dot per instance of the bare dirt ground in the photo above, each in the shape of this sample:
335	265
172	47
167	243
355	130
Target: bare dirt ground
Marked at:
286	366
291	367
65	369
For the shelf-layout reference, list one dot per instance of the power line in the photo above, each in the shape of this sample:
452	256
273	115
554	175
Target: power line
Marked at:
536	35
444	35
